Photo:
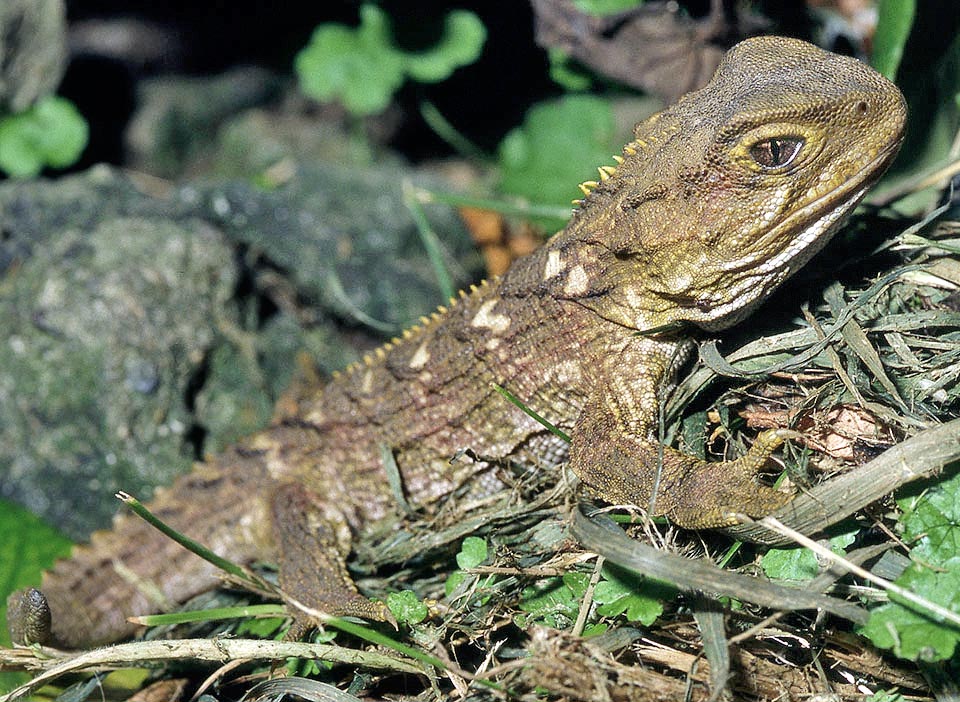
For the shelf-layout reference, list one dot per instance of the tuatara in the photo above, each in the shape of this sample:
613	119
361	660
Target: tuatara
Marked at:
716	201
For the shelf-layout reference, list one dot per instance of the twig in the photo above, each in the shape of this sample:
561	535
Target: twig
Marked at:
218	650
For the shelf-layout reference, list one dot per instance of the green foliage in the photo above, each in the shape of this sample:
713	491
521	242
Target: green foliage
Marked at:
554	601
51	133
262	627
563	74
461	44
623	592
932	520
912	634
885	696
894	20
407	607
473	552
557	601
930	79
560	144
358	66
606	7
453	581
363	68
800	563
305	668
28	547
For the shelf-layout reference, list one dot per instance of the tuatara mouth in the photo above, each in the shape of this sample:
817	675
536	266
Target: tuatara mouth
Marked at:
823	215
806	230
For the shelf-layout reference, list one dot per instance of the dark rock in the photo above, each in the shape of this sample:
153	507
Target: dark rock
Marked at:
141	333
104	330
178	117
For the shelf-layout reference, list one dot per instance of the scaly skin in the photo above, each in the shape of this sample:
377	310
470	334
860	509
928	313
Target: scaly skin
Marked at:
717	200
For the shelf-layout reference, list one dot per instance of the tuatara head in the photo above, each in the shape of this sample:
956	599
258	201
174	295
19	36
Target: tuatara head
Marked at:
724	195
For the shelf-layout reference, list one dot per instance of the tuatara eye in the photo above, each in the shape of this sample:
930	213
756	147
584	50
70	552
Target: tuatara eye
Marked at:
776	152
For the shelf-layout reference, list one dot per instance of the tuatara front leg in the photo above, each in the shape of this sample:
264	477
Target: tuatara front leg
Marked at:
615	451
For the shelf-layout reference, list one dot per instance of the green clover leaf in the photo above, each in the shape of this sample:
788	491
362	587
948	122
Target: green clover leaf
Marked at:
51	133
362	67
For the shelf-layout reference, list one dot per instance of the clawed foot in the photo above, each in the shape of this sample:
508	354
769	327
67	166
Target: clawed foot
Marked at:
694	494
714	495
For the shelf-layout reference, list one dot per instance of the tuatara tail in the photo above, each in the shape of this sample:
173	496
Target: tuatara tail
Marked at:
133	569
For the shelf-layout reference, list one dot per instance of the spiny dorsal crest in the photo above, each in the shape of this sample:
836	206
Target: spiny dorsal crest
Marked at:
379	354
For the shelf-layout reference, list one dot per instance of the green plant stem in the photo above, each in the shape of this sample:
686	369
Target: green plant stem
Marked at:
206	554
501	206
430	241
446	131
553	429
